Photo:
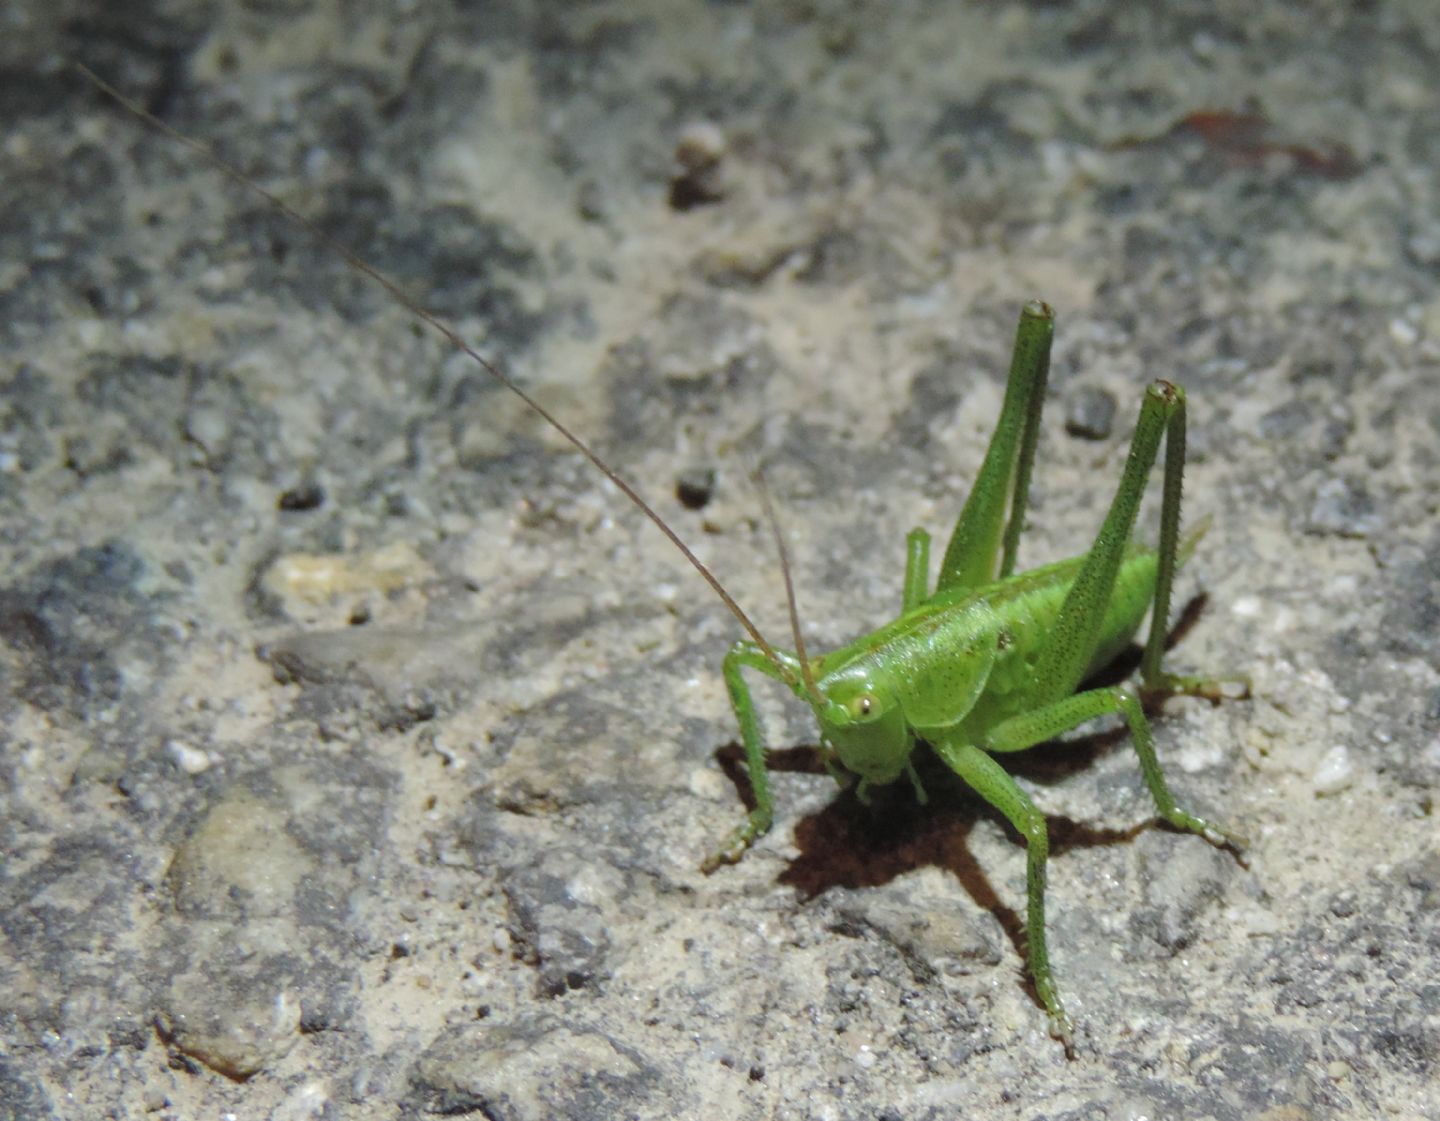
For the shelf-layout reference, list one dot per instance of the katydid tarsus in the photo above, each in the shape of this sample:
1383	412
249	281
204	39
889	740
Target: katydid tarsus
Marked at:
988	661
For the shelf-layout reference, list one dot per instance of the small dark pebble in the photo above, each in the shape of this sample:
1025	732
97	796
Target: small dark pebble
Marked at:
1091	414
695	487
305	496
590	202
698	180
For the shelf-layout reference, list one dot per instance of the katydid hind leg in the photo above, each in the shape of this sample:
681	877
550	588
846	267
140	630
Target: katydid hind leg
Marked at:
1025	462
1155	681
1071	642
1049	721
1003	483
1073	638
1168	547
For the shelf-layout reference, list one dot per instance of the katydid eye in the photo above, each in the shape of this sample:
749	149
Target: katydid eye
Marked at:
863	706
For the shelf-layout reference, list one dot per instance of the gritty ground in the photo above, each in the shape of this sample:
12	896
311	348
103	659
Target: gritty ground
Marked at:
360	745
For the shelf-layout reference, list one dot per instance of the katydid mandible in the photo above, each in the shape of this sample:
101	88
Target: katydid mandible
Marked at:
990	660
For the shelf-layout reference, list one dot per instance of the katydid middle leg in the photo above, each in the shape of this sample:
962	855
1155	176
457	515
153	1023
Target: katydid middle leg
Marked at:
1043	724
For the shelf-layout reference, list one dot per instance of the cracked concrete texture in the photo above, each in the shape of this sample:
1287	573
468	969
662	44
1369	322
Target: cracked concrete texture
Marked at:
361	746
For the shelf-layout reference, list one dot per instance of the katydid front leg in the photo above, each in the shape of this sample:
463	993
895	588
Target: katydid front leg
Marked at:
993	783
747	655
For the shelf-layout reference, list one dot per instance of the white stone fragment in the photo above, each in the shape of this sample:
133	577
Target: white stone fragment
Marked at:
1335	772
1246	607
190	760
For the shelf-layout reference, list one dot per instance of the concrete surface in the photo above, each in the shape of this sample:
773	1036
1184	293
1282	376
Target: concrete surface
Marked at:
360	745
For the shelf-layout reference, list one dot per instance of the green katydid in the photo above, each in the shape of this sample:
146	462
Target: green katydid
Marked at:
990	660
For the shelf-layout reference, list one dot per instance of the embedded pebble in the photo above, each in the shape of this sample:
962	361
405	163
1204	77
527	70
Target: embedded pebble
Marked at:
191	760
208	428
236	1021
239	862
300	579
1090	414
1181	879
530	1068
1343	508
1335	772
699	150
914	916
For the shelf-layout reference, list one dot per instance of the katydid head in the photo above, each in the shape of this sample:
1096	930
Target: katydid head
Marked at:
861	717
878	698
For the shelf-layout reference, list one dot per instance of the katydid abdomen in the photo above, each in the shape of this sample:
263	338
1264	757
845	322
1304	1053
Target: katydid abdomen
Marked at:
1026	608
965	659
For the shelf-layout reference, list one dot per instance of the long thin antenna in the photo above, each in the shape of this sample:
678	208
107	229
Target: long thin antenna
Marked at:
806	673
356	262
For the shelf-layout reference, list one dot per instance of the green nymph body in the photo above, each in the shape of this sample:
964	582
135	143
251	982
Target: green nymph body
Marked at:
964	660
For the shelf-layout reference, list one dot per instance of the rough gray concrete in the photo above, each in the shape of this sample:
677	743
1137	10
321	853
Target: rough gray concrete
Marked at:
360	746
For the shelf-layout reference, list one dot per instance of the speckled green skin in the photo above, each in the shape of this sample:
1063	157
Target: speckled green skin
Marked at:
990	661
965	660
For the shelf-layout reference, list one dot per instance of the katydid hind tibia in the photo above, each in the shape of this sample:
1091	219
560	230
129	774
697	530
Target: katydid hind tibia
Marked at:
988	661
